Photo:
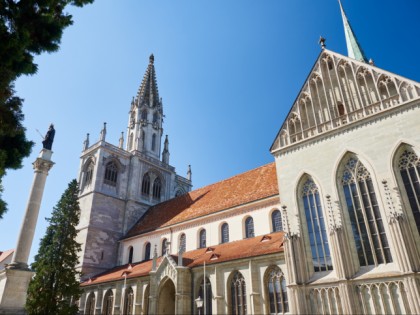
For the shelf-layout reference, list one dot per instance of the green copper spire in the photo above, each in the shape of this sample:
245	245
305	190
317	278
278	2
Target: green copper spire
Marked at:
353	47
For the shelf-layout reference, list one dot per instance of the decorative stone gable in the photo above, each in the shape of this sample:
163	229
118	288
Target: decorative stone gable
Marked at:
339	91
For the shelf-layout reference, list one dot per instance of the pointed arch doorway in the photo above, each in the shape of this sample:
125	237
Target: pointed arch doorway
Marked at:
166	297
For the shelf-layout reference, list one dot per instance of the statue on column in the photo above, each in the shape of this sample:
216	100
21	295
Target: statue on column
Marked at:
49	138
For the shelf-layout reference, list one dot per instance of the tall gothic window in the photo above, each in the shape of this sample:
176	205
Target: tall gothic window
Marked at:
277	292
249	227
409	166
146	300
182	243
154	142
155	117
365	217
276	221
130	254
238	294
317	232
157	187
147	252
164	246
207	298
129	301
90	304
108	303
145	185
111	173
144	115
225	233
89	174
202	238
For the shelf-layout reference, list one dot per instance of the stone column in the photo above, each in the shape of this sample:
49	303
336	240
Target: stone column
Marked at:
14	280
41	166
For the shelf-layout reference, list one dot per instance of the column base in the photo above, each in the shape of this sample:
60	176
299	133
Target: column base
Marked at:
13	290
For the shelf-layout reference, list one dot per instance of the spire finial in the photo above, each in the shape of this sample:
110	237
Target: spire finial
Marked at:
151	59
354	50
322	41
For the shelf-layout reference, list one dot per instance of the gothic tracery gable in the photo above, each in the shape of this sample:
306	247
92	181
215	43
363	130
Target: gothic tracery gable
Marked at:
338	91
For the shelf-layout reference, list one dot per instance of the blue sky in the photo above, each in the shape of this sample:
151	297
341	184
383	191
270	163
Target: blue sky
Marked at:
228	73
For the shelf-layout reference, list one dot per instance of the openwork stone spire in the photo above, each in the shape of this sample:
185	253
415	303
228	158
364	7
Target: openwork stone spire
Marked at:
354	50
148	92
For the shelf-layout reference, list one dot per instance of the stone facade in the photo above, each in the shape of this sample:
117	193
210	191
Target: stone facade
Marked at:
341	235
114	192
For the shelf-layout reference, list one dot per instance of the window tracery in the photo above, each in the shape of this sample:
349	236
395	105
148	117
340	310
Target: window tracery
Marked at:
409	167
317	232
157	187
208	297
111	174
145	185
238	294
90	304
108	303
365	217
277	291
129	301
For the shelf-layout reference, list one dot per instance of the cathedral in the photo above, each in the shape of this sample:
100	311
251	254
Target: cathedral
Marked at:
332	226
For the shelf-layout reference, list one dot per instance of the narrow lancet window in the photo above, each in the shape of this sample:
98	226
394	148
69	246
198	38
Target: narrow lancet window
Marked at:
317	232
225	233
249	227
409	167
145	186
276	221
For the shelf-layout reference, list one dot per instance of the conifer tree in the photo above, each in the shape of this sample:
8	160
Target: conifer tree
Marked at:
27	28
55	284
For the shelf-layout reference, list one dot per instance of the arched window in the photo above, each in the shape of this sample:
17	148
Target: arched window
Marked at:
409	167
154	142
111	173
207	297
147	252
108	303
365	217
129	301
164	246
238	294
249	227
130	254
202	242
182	243
317	232
89	174
90	304
157	187
144	115
155	117
130	141
146	300
276	221
224	230
145	185
277	291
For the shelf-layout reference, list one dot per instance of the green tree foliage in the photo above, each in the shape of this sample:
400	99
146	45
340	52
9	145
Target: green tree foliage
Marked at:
55	283
27	28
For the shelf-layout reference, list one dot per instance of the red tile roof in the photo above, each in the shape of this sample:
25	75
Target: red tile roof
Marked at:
250	186
251	247
5	254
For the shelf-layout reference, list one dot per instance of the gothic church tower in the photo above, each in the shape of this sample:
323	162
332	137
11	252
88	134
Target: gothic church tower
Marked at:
118	185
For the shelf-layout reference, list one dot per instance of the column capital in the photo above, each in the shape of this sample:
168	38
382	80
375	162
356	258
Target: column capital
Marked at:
43	162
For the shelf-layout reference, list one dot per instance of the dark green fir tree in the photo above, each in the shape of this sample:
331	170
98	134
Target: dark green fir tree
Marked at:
55	285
